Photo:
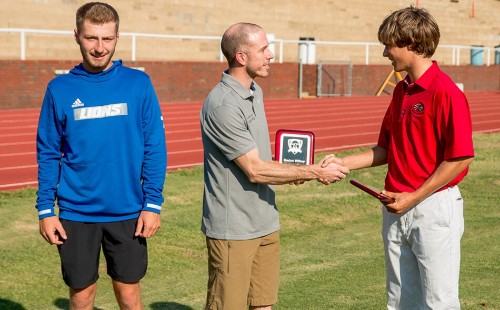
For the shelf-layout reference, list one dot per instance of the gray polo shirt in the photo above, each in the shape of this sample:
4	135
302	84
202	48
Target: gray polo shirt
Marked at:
233	122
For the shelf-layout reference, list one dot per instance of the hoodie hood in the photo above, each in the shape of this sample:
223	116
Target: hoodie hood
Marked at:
100	76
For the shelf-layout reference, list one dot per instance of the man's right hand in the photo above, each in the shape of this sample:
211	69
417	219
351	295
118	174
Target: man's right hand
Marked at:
331	173
52	230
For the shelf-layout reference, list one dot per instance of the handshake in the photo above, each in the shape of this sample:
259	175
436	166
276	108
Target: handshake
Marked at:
331	169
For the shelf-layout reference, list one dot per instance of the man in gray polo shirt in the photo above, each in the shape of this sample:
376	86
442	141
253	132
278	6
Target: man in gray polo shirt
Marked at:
240	218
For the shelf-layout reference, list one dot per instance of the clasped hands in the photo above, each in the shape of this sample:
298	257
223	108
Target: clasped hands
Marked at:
329	170
332	169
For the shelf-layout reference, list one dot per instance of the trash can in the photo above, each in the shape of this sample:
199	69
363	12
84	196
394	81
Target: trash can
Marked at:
497	55
476	55
307	51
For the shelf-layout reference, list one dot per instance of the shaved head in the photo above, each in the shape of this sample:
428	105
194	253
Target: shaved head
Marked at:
237	38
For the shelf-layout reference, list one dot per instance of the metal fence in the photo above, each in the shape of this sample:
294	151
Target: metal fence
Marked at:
53	44
334	78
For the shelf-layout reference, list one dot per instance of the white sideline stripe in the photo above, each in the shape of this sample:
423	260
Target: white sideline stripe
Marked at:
18	167
17	184
184	166
487	131
17	154
31	134
182	140
22	120
184	152
19	143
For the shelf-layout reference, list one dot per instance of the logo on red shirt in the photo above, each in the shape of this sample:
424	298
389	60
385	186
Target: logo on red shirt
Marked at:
418	108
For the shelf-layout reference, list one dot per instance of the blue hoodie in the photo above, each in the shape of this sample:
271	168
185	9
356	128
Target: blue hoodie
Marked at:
100	146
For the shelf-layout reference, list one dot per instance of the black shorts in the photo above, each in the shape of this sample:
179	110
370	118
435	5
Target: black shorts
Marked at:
126	255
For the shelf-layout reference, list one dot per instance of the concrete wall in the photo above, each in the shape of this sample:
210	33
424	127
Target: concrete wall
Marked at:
23	83
464	22
185	70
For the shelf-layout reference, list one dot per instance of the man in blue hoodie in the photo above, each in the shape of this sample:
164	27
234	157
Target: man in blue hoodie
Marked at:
101	155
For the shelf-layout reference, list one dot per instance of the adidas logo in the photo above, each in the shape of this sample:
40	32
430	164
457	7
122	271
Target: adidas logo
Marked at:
77	103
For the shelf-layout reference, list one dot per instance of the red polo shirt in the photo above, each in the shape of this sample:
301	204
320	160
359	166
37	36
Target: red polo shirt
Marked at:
426	123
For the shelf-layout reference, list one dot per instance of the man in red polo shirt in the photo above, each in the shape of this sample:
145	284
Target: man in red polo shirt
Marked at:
426	142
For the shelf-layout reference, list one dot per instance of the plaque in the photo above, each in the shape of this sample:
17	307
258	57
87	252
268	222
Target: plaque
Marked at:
375	193
294	147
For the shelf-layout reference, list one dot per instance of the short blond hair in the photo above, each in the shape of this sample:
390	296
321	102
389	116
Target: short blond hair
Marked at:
97	13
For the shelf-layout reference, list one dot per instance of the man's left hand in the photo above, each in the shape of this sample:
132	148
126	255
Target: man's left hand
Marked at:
402	202
148	224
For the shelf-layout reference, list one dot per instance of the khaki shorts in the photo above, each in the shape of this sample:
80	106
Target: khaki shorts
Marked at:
243	272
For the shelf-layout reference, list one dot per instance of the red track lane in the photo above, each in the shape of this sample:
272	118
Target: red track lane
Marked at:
339	123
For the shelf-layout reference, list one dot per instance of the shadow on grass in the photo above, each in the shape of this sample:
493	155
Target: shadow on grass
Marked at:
10	305
63	303
169	306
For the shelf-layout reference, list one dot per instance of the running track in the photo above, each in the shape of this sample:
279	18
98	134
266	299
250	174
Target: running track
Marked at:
339	123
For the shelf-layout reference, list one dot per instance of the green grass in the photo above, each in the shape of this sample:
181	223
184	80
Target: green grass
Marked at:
332	256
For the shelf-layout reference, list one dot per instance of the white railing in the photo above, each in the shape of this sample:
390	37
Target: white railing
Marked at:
24	31
454	51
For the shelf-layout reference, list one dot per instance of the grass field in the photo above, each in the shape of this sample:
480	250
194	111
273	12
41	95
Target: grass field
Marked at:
332	255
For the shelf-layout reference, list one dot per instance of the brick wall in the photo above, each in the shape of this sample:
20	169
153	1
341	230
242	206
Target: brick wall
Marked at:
332	20
23	83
